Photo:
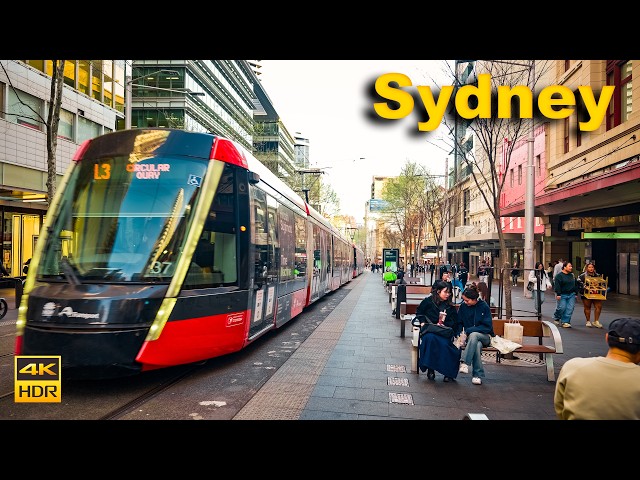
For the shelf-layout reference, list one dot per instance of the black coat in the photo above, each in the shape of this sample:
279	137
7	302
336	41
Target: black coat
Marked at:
436	352
429	309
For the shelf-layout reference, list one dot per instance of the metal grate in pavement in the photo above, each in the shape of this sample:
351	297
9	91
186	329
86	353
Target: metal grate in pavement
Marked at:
398	382
404	398
397	368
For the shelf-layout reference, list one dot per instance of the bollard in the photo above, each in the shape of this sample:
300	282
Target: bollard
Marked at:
475	416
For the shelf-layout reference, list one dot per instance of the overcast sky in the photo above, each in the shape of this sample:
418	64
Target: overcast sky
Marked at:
330	103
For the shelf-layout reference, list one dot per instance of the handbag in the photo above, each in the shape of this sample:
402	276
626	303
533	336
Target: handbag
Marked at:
530	286
513	331
441	330
503	345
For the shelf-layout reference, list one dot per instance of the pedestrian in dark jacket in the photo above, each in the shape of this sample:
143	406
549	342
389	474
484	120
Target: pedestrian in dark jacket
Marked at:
564	284
475	316
463	274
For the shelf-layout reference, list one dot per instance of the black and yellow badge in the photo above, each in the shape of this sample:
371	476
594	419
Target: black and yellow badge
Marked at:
38	378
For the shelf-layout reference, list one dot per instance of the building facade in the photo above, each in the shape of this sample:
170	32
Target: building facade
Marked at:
92	104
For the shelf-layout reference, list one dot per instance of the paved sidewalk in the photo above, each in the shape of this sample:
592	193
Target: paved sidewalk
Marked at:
355	366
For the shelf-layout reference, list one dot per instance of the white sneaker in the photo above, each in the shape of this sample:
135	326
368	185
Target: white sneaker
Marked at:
597	324
463	368
589	324
476	381
566	325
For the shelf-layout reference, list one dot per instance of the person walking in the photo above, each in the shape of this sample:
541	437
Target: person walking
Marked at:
587	303
564	284
603	388
437	351
483	273
557	268
539	277
475	316
463	274
515	271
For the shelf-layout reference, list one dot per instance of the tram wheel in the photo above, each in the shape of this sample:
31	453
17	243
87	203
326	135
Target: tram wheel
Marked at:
3	307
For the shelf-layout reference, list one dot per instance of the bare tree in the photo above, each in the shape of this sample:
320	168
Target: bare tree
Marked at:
51	124
494	141
401	210
53	119
437	214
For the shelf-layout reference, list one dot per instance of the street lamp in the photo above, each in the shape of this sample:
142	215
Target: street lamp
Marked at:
129	92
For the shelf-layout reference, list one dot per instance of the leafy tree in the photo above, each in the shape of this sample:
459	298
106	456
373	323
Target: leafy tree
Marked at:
414	203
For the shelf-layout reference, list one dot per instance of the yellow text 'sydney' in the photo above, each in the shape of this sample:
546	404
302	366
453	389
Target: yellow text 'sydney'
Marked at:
552	101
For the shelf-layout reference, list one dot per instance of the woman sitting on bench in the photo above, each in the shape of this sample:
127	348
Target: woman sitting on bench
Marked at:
438	326
475	316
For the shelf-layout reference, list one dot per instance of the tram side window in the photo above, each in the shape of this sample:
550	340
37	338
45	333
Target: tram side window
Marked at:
300	268
214	262
260	235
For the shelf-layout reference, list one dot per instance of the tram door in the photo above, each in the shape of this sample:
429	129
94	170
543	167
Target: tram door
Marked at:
25	232
263	240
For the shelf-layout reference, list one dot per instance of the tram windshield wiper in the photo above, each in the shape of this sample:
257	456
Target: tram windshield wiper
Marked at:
69	271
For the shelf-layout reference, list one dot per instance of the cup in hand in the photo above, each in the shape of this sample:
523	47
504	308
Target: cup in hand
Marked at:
441	318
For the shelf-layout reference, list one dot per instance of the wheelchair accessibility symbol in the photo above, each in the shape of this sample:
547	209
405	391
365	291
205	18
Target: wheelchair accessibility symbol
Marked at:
194	180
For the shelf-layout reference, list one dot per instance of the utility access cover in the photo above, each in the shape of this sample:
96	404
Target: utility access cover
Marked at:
404	398
397	368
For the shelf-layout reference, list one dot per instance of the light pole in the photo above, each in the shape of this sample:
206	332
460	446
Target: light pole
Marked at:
129	91
530	195
529	205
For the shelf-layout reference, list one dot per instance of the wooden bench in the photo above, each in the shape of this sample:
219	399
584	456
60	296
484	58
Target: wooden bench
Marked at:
414	280
411	296
394	289
545	333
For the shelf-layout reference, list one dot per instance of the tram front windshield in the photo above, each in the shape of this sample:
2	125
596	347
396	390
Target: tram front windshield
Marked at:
122	221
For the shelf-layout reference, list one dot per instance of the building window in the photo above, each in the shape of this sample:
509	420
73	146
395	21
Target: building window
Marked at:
84	75
107	82
165	118
511	177
70	73
566	135
24	109
65	125
96	79
619	75
538	166
520	174
2	107
467	206
87	129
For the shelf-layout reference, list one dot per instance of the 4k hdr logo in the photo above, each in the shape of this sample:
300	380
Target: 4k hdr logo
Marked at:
38	379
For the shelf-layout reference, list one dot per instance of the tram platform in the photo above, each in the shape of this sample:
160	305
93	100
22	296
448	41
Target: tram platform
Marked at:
356	366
